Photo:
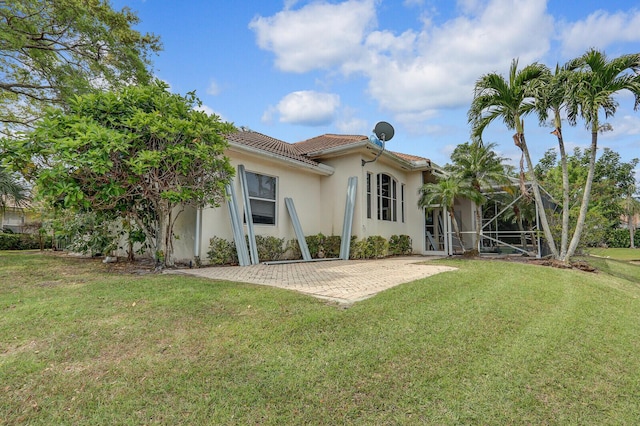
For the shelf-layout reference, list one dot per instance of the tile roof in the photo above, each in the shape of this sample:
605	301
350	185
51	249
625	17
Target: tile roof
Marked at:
267	143
408	157
301	151
327	141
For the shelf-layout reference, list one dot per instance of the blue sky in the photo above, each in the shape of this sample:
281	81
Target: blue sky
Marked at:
297	69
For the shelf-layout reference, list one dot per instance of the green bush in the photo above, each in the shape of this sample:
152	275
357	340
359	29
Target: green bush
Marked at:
269	248
222	252
373	247
400	245
321	246
24	241
292	250
619	238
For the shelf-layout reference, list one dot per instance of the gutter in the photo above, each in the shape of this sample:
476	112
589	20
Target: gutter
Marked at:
321	169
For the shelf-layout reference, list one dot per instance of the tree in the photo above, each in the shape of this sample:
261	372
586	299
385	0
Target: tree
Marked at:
11	189
510	100
480	168
444	193
551	99
141	152
630	208
593	82
54	49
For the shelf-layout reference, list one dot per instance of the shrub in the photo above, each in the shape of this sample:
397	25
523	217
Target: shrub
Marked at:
619	238
24	241
321	246
373	247
222	252
292	250
269	248
400	245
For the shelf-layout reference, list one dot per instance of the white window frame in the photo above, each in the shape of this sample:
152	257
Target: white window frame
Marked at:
253	198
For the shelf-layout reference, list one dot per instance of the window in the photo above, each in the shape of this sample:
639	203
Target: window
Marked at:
262	197
387	198
369	195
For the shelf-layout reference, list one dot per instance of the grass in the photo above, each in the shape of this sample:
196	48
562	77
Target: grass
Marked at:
491	343
616	253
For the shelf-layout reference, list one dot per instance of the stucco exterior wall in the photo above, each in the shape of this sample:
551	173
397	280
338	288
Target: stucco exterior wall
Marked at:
319	200
302	186
334	192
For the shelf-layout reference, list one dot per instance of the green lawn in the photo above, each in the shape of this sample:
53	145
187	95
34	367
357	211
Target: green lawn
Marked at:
491	343
616	253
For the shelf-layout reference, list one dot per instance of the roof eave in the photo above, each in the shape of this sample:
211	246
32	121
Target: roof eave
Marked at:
319	168
339	149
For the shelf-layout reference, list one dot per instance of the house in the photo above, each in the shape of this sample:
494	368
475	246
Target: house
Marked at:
315	175
18	219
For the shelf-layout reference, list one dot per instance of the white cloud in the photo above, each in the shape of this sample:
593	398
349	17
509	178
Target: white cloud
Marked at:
447	59
348	123
213	88
209	111
317	36
599	29
626	125
308	108
415	71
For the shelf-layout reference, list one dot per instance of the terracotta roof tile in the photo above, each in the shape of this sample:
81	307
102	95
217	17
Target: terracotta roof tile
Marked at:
408	157
267	143
300	150
327	141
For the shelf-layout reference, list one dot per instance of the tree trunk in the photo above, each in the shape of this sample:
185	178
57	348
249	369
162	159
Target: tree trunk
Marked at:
456	229
521	143
632	230
478	227
523	237
577	234
565	194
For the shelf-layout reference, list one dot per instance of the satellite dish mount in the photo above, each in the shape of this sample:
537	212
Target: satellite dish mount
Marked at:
384	132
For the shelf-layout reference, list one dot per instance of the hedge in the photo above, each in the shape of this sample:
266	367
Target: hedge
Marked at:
22	242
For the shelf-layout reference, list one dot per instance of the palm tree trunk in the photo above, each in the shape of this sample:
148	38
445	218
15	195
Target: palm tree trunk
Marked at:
565	194
478	227
523	237
577	233
520	142
456	228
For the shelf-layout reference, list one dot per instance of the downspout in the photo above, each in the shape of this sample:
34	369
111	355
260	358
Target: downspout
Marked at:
198	236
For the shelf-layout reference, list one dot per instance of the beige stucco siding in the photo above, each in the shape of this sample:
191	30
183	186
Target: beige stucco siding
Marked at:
319	200
300	185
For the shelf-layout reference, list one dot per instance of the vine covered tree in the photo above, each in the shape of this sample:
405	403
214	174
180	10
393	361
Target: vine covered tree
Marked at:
142	152
54	49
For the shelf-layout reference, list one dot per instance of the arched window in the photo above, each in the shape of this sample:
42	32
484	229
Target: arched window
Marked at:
387	197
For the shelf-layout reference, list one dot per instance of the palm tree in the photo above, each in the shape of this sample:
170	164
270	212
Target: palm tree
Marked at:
479	167
510	100
630	208
551	100
444	193
11	190
594	81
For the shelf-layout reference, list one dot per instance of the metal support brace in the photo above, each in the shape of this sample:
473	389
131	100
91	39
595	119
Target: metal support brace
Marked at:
302	242
345	242
236	225
253	247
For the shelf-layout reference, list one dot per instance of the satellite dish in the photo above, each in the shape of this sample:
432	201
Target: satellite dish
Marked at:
384	131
